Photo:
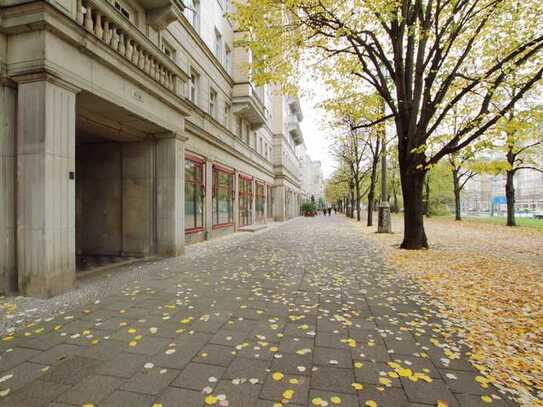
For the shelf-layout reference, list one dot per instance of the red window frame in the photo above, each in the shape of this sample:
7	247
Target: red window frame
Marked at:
200	163
217	170
245	199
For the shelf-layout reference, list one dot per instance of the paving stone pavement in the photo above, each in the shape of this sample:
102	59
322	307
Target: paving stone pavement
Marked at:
303	314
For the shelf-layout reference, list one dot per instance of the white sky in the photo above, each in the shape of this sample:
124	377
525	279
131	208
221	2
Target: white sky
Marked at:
315	135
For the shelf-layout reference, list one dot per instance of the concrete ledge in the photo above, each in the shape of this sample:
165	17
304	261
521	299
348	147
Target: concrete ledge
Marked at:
252	228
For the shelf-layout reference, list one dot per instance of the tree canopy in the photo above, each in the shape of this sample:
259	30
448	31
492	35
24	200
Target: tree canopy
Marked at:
423	57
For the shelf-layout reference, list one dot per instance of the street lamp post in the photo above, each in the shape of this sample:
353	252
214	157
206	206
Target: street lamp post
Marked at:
384	224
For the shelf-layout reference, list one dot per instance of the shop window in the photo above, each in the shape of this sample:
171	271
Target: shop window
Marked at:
245	201
223	197
260	202
194	194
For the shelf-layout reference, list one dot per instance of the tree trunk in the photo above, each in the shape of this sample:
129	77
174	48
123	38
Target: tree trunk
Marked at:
413	191
371	194
357	201
426	200
510	196
370	209
457	206
352	201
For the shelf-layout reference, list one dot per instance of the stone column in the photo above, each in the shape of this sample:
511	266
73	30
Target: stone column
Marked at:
45	186
138	198
209	199
170	190
236	201
253	203
279	203
8	267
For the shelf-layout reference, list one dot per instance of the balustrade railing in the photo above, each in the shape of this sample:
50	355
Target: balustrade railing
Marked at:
104	22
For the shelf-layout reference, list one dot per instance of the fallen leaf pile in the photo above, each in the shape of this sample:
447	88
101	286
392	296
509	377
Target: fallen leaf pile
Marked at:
495	304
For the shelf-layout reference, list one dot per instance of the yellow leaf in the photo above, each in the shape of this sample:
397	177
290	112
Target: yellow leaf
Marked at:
288	394
210	400
277	376
486	399
358	386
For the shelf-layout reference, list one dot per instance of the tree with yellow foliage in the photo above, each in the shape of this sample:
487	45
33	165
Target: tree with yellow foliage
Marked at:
423	57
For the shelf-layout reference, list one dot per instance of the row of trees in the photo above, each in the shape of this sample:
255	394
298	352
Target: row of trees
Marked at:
427	59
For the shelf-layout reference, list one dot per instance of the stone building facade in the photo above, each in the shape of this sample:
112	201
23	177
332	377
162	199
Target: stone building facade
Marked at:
312	176
485	194
127	129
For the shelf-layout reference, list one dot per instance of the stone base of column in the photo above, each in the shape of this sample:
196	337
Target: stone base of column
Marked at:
384	222
47	285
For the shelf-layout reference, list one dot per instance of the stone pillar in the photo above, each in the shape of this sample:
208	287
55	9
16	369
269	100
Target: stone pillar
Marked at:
236	201
170	190
279	203
8	268
45	186
209	199
138	198
253	202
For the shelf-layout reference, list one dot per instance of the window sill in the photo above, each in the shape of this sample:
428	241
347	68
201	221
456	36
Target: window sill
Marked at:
223	226
193	230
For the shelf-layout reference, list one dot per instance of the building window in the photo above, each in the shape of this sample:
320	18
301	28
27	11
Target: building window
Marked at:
227	115
168	50
194	84
192	12
124	10
227	58
223	197
240	127
260	200
248	135
218	45
245	201
194	194
213	102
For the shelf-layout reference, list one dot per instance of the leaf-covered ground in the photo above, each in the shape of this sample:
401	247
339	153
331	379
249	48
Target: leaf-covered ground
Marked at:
303	314
488	280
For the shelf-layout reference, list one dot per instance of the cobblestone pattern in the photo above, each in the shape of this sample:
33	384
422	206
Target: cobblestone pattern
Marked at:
302	314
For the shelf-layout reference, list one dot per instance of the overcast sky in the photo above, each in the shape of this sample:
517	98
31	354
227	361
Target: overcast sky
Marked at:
316	138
